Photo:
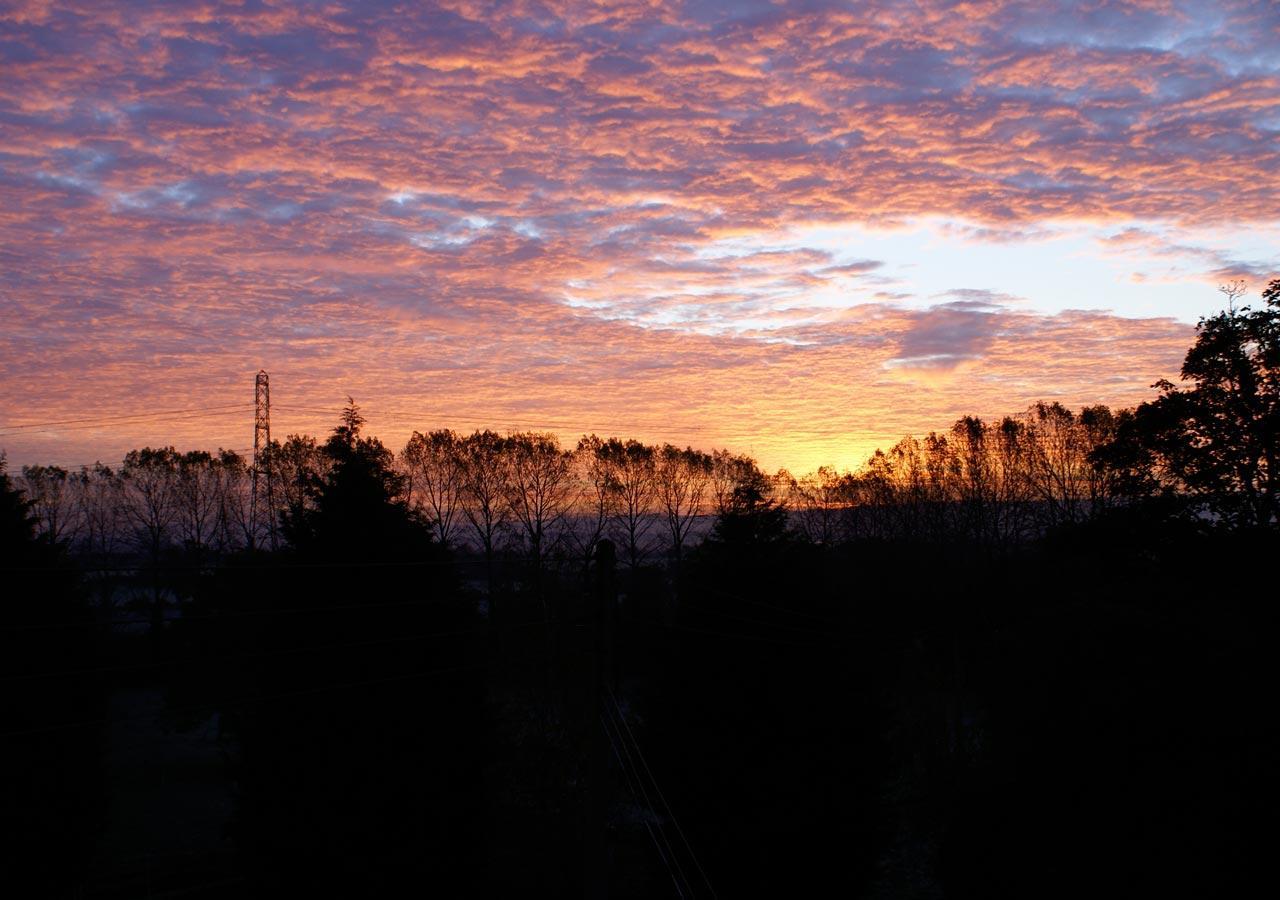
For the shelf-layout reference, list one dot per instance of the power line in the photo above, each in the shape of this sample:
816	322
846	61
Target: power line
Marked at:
670	812
627	773
626	747
168	412
158	418
328	411
167	420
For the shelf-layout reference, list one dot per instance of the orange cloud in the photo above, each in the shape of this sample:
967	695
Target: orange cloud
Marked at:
516	214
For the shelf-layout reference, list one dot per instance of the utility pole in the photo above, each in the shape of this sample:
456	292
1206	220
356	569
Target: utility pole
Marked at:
263	500
595	845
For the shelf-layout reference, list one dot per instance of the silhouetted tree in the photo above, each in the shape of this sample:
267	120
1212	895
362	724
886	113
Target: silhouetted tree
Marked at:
593	502
752	654
629	466
1215	444
484	493
818	503
150	478
728	471
434	466
682	479
296	466
50	492
232	481
751	517
359	763
150	481
357	509
204	480
537	486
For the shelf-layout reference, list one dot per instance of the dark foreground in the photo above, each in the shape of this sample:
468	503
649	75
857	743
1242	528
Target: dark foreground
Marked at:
1090	715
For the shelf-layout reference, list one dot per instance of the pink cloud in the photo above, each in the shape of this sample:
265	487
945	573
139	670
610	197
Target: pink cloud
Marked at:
403	206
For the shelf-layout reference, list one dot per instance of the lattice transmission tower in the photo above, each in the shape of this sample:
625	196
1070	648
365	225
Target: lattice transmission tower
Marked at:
262	503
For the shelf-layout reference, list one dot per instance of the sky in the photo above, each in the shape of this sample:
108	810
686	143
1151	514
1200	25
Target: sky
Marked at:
799	230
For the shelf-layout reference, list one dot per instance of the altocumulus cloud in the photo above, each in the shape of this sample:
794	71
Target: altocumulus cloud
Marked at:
524	207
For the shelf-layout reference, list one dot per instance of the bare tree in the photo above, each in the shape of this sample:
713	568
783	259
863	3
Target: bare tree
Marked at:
295	467
1097	425
198	501
234	496
1010	450
151	492
537	486
993	486
818	502
483	490
52	497
630	469
875	498
730	471
1059	470
592	504
100	505
973	486
1233	291
433	462
682	479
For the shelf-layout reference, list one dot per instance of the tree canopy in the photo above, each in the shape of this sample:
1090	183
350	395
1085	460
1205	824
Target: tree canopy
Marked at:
1214	440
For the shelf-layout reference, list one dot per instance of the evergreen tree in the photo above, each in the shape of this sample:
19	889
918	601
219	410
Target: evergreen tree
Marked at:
50	706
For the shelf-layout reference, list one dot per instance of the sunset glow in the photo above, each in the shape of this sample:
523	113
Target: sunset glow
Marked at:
797	230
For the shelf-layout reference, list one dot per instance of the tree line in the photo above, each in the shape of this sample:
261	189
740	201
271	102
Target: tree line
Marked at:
526	493
1207	447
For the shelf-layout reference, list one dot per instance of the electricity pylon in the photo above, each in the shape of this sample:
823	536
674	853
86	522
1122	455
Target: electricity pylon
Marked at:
263	500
